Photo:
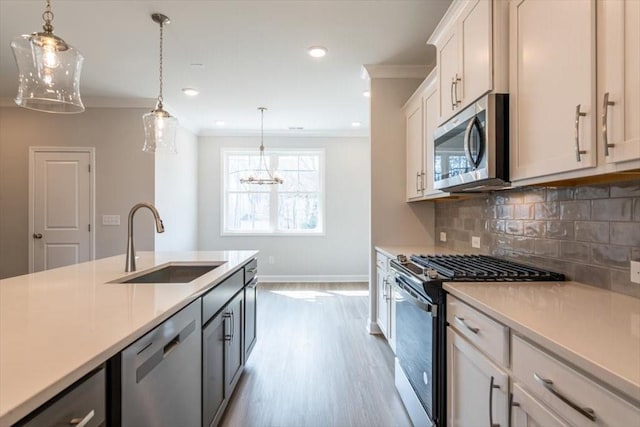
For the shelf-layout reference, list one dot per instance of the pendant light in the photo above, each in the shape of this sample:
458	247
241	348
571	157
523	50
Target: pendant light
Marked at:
48	70
262	175
160	126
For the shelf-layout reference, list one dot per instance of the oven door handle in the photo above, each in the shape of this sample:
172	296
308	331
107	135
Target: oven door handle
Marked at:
401	285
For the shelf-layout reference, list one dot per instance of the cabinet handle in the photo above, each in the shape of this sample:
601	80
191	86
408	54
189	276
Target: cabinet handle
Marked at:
548	384
388	291
82	422
384	289
605	135
463	323
417	182
455	91
422	178
579	152
453	104
252	270
492	385
512	405
37	236
229	336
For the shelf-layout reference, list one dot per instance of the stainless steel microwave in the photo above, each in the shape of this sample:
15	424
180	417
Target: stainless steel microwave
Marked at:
472	149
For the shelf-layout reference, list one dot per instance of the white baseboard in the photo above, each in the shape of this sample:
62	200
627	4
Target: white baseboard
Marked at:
311	278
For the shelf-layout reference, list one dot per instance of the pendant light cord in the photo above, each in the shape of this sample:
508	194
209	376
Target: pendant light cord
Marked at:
161	58
47	16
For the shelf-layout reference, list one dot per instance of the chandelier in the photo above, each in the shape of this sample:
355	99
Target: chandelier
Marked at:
160	126
262	175
48	70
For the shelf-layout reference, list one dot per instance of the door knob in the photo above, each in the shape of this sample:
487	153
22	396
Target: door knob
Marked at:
37	236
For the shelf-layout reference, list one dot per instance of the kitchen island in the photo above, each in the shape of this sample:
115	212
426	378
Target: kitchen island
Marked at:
58	325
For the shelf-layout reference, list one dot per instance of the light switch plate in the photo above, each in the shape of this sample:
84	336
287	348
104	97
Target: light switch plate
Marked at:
475	242
635	271
110	219
443	236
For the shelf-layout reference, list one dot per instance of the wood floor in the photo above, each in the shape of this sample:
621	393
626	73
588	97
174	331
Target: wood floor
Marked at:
315	364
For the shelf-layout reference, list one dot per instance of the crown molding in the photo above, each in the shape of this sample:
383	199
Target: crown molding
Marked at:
381	71
335	133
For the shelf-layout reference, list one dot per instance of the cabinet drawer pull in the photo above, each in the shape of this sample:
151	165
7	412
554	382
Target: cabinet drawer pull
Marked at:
579	152
492	385
512	405
605	133
82	422
548	384
251	270
463	323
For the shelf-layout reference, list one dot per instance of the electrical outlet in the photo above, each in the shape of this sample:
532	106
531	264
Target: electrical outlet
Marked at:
635	271
110	219
272	260
443	236
475	242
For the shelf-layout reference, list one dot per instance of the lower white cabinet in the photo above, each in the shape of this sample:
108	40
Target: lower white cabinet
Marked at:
477	389
385	317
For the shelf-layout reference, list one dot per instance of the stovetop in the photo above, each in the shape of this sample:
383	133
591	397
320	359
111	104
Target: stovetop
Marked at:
480	268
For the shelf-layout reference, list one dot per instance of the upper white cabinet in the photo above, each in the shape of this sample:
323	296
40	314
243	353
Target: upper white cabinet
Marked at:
421	112
619	81
574	88
472	49
552	91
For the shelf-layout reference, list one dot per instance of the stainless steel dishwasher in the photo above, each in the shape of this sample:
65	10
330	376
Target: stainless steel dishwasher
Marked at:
161	374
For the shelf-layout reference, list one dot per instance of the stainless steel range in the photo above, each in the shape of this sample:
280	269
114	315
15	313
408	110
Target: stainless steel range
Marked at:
421	322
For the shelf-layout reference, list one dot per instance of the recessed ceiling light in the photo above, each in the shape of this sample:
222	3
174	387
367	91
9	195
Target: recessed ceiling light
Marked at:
219	122
189	91
317	51
366	94
356	124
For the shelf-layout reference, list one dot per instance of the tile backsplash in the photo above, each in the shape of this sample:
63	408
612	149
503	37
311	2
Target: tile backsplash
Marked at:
589	232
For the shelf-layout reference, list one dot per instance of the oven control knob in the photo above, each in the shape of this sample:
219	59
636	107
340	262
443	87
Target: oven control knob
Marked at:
402	259
432	273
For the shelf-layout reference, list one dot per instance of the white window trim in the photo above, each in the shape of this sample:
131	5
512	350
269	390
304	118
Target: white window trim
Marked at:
224	152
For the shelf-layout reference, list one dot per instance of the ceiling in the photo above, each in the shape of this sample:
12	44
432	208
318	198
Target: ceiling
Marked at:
253	53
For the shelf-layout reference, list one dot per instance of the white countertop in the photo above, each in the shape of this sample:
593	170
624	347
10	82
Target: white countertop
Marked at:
594	329
394	251
58	325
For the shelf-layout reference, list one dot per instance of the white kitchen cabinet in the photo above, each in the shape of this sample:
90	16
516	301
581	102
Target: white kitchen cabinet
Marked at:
415	149
552	87
526	411
385	309
575	397
619	82
477	389
471	53
421	112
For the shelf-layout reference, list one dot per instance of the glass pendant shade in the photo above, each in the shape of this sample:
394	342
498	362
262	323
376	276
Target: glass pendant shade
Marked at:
262	175
48	73
159	132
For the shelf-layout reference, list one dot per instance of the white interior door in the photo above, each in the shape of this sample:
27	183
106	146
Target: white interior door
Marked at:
61	208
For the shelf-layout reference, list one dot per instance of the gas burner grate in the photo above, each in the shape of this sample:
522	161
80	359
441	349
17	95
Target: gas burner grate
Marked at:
483	268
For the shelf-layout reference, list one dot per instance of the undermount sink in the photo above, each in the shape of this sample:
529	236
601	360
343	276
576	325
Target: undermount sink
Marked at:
175	272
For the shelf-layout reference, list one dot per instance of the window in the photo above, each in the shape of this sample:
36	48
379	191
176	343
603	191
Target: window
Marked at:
295	207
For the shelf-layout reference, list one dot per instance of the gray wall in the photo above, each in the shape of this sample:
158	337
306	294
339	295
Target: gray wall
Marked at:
341	254
124	174
176	195
589	233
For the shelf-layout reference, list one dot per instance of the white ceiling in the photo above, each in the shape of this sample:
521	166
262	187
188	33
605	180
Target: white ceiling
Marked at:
254	54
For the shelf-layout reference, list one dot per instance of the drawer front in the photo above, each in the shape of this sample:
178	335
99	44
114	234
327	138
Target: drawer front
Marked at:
219	296
250	271
382	261
488	335
574	397
527	411
84	402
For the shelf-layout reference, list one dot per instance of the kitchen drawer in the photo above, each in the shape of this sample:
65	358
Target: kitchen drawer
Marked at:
488	335
250	271
83	402
567	391
219	296
382	261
